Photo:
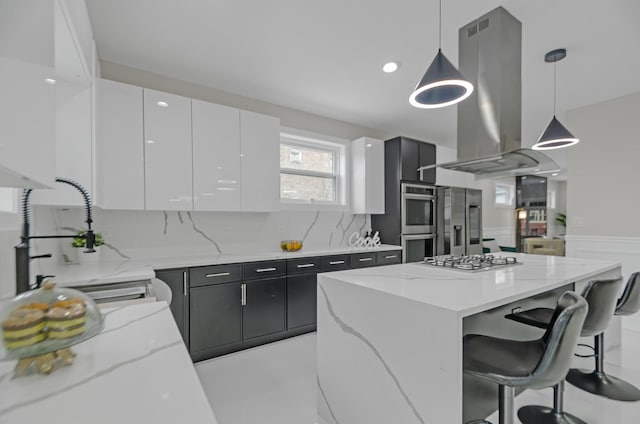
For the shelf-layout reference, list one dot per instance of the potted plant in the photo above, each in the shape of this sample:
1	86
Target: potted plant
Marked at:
79	242
562	220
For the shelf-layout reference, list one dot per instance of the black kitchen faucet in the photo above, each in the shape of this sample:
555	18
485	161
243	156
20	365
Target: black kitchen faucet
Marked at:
23	256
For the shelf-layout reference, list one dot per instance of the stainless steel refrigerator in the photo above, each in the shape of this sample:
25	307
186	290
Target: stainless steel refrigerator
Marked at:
459	221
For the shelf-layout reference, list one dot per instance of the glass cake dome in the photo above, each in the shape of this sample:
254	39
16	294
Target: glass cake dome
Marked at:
45	320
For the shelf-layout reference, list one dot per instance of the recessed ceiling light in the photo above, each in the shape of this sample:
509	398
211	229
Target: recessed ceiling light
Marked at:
390	67
150	142
50	81
368	145
162	104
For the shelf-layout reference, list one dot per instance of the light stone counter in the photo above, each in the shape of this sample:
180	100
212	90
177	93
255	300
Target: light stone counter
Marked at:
136	371
390	338
137	269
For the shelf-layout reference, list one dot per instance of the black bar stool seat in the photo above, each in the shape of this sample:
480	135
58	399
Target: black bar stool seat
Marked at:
601	297
531	364
597	381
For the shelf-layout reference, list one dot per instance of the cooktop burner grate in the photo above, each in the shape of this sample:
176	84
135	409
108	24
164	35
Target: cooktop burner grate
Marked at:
471	263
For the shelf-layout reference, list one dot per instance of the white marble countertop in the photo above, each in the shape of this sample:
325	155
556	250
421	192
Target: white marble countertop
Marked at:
136	371
467	293
143	268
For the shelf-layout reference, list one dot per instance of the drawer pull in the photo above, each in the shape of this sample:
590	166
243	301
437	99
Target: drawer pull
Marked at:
218	274
336	262
306	265
266	269
365	259
391	257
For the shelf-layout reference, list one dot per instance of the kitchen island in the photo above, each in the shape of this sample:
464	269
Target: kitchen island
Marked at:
137	370
390	339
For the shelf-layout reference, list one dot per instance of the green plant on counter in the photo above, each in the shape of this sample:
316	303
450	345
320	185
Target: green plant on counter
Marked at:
80	241
562	219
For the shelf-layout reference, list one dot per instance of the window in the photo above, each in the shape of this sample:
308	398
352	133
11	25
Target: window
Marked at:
504	195
311	170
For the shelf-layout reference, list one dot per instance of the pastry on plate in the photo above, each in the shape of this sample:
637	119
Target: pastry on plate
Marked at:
64	322
23	327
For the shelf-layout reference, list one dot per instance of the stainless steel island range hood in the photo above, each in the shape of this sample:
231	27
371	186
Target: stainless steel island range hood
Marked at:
489	121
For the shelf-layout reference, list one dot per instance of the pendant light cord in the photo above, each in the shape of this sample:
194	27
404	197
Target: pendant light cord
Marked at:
440	26
555	71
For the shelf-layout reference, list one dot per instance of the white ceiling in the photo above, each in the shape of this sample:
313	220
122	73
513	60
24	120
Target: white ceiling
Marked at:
325	57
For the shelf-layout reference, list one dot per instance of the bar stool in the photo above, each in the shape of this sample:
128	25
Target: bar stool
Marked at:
601	297
597	381
531	364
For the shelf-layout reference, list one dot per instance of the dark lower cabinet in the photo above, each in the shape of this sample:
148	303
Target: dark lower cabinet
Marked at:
176	279
264	312
268	301
301	301
216	319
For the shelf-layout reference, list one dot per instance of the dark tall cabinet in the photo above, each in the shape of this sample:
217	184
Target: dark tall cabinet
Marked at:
402	158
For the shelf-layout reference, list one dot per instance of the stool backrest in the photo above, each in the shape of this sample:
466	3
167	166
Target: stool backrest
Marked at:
601	296
629	302
560	341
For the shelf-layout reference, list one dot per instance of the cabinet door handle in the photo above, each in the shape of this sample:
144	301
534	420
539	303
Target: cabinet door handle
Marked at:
391	257
266	269
243	294
306	265
184	283
218	274
336	262
365	259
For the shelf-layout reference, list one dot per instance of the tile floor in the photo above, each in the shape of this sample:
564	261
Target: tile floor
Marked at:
275	384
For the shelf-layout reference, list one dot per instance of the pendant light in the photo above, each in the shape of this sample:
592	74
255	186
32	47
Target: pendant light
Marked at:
442	85
556	136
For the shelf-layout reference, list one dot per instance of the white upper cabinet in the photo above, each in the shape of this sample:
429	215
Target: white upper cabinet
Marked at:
73	146
260	162
119	146
217	179
367	176
74	99
28	99
167	151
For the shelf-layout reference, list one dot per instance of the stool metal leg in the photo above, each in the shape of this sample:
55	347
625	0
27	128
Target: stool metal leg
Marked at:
536	414
506	411
600	383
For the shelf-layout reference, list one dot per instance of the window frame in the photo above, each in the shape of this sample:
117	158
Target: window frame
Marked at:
510	195
338	147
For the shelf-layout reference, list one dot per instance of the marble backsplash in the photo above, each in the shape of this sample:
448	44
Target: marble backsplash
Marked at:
135	234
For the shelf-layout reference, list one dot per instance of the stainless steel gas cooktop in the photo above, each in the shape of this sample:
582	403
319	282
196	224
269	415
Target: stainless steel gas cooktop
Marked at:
471	263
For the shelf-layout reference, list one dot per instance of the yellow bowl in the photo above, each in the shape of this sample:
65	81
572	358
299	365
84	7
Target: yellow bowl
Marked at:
291	245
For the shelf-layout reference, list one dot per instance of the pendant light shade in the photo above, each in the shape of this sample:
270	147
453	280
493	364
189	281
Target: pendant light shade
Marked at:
556	136
442	85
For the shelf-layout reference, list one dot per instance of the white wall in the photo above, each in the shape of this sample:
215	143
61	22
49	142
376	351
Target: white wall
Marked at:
602	204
